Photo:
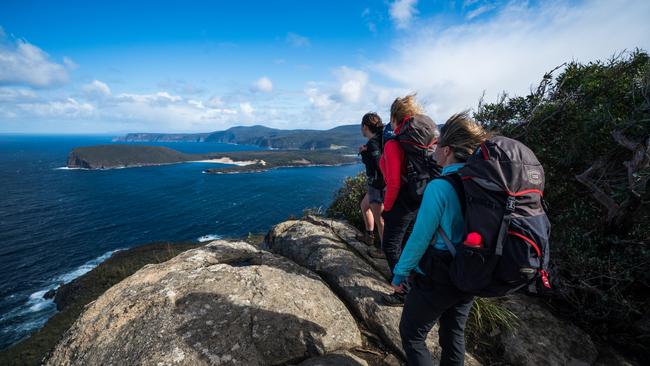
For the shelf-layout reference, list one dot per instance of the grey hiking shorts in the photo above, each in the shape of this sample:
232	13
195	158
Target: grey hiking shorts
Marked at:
375	195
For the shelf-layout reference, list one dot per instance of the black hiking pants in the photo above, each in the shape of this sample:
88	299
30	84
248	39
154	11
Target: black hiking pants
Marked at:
433	298
396	223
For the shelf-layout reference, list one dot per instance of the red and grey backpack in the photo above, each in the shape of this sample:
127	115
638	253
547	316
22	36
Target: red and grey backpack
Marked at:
507	231
417	137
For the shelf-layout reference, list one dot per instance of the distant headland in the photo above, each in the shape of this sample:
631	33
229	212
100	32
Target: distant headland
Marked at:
347	136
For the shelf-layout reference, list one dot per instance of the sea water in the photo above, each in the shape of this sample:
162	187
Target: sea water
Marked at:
57	224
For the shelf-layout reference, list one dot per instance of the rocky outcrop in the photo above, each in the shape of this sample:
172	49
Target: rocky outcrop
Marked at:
315	300
319	245
329	248
227	303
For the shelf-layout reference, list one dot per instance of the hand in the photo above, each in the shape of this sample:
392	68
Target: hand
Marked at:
399	289
363	148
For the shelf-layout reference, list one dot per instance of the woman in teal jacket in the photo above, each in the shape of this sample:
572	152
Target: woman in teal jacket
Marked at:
433	297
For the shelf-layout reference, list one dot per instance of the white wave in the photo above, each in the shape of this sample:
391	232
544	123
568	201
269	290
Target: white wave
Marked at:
68	168
84	268
209	237
36	303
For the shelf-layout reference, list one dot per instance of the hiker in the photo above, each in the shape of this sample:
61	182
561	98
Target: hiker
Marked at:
372	204
404	170
432	296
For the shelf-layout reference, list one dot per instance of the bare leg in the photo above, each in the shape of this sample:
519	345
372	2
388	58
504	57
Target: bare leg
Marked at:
368	218
377	209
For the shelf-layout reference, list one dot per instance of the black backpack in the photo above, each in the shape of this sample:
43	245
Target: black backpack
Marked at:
418	137
501	190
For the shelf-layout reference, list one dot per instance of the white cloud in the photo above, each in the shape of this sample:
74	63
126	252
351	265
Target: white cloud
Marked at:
246	109
297	40
370	18
214	102
319	99
479	11
262	84
68	108
352	84
159	98
402	12
8	95
450	68
22	63
97	89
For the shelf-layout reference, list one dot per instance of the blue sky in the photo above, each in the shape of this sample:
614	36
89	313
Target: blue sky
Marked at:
186	66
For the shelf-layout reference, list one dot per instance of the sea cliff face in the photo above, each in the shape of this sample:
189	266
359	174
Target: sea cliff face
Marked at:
310	296
124	156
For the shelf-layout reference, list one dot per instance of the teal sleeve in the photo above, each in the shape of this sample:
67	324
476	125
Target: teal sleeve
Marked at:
426	224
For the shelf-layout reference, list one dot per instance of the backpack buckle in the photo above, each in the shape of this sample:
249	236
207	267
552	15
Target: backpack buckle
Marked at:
511	203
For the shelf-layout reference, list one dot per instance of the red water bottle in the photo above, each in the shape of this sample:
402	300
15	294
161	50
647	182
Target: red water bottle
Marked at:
474	239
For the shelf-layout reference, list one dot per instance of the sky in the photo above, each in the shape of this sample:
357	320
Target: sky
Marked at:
112	67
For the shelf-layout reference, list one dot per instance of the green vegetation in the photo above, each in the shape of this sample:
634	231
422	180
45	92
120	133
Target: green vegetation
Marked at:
347	201
120	155
72	297
280	158
590	128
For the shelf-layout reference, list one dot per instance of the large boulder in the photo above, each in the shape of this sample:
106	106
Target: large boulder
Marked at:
540	338
227	303
323	246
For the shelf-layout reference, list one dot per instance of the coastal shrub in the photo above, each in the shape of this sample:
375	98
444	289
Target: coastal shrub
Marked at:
589	125
347	201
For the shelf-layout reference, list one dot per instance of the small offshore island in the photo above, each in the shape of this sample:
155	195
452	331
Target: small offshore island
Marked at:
118	156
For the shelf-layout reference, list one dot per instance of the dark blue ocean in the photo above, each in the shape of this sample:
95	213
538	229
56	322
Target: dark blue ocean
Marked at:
57	224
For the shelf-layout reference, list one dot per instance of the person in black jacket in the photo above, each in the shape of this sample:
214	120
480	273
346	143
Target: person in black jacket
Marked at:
372	204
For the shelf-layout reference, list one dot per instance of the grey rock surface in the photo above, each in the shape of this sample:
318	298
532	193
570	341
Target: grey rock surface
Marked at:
338	358
226	303
543	339
318	244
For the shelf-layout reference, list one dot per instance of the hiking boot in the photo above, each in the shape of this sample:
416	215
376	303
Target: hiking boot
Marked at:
395	299
368	237
377	253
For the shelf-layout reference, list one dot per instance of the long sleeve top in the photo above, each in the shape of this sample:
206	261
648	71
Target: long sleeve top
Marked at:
392	167
440	208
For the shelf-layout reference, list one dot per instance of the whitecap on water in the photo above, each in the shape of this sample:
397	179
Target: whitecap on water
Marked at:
67	168
209	237
36	310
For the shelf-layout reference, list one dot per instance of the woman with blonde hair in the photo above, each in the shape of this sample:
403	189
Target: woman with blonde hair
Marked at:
432	296
399	208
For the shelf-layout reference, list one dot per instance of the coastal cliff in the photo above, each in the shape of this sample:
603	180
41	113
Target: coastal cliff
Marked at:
347	136
124	156
308	295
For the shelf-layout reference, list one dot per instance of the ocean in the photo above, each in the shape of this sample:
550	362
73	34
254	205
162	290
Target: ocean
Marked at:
57	224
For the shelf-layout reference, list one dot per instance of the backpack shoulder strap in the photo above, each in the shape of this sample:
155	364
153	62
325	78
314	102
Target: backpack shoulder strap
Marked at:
457	184
445	238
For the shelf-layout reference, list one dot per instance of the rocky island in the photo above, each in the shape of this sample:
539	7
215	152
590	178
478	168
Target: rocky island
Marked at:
126	156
